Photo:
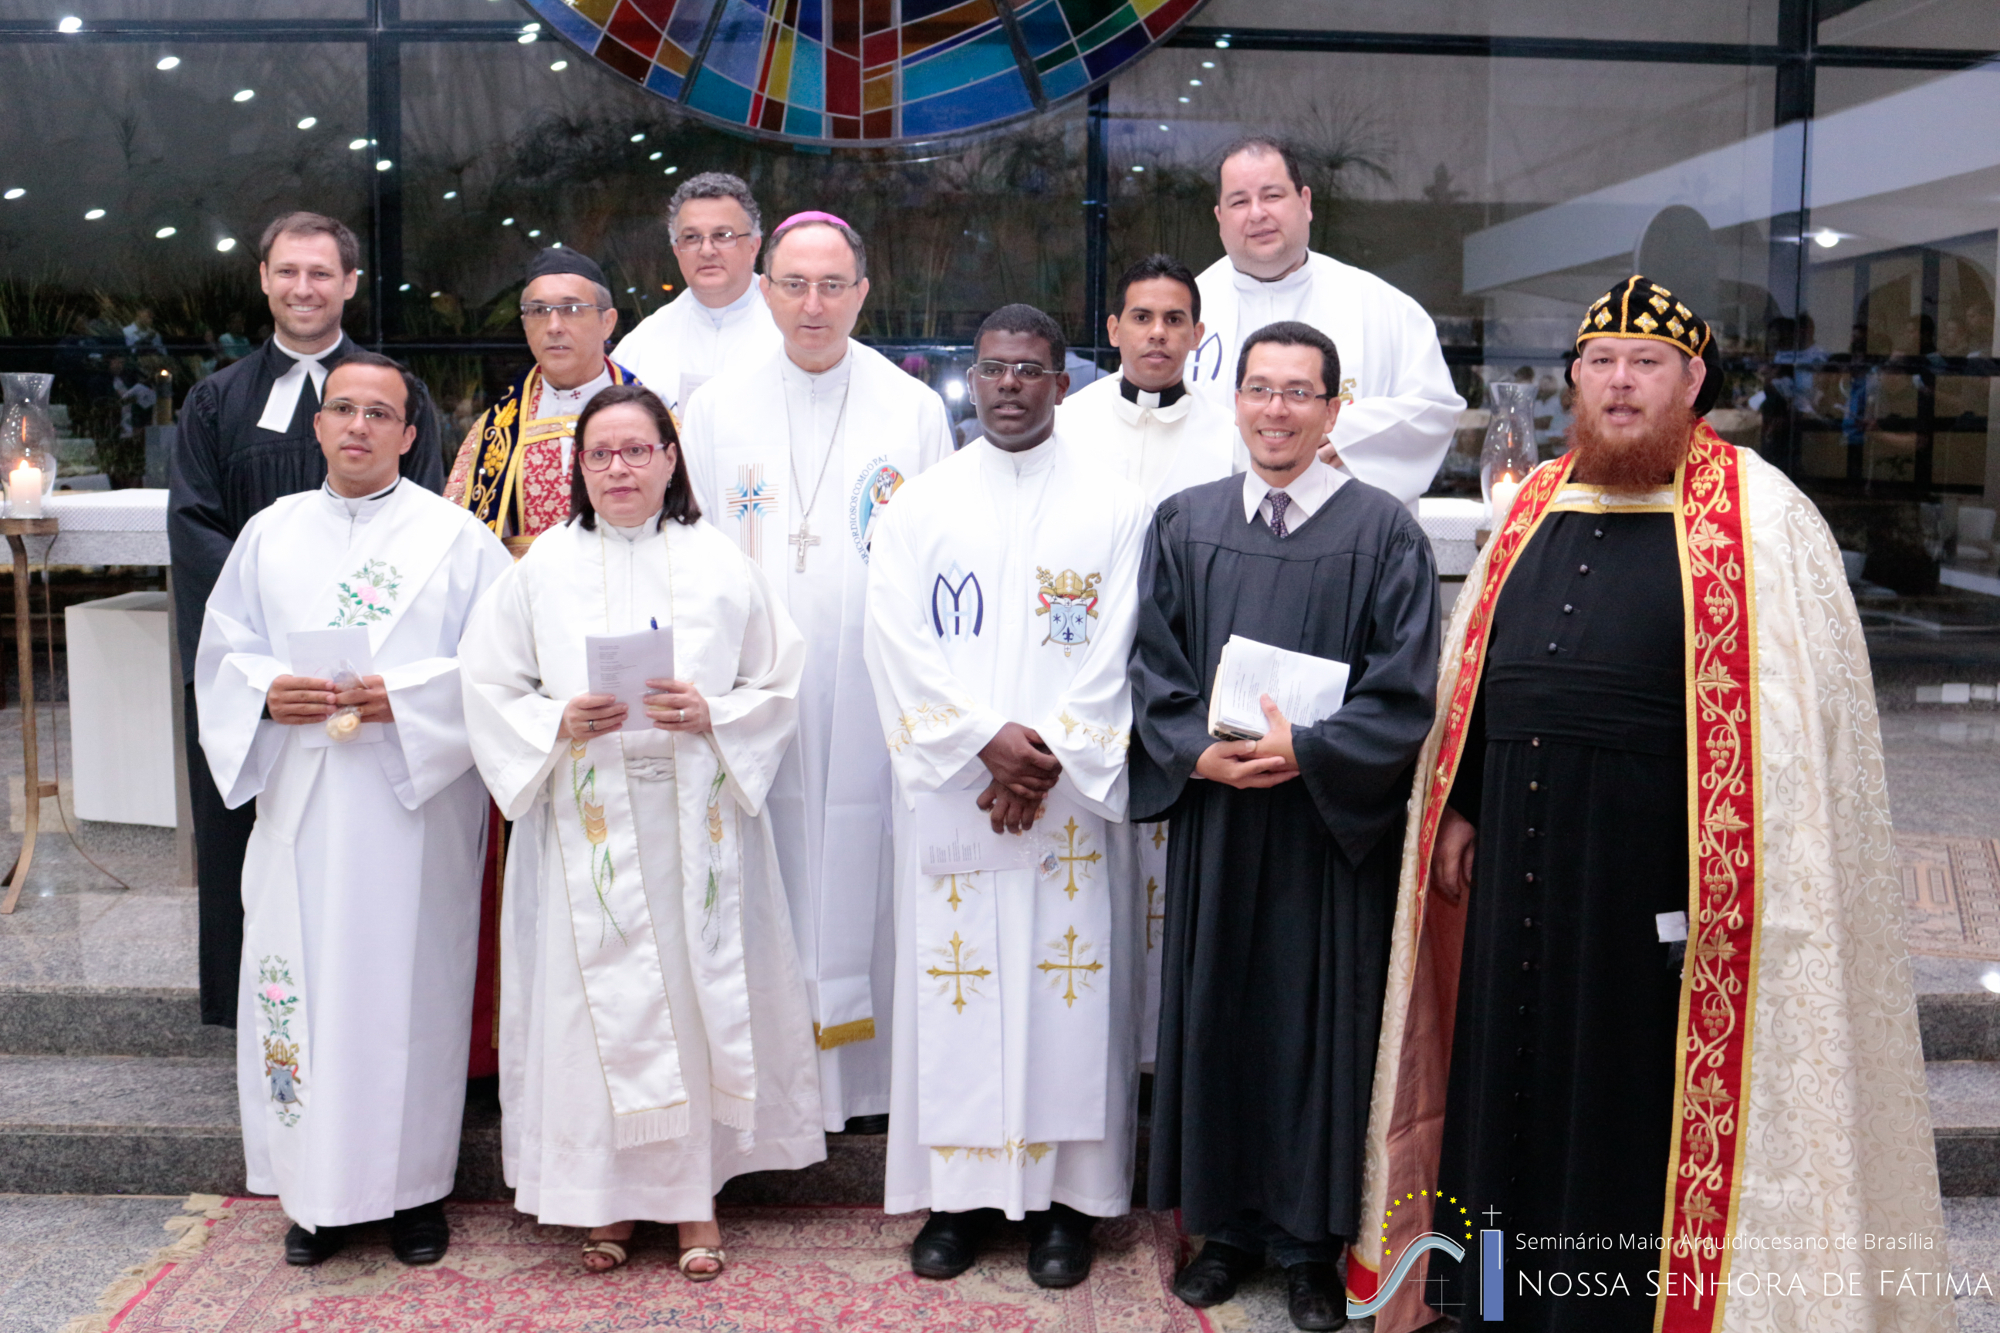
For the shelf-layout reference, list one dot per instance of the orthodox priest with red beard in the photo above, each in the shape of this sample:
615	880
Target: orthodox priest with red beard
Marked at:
1648	980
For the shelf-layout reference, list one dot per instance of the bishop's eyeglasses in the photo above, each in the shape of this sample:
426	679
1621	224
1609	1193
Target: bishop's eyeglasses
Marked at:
636	456
795	289
1257	395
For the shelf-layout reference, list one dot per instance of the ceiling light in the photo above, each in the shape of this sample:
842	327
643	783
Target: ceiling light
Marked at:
69	23
451	194
536	232
357	144
163	233
308	122
383	164
631	289
638	138
560	65
656	155
506	222
1826	238
556	246
14	193
226	244
1222	42
436	295
1163	127
404	288
1194	83
671	170
1138	168
93	215
1208	64
167	62
244	95
526	39
1184	99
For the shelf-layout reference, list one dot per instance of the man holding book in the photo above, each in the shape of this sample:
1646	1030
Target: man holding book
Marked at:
1282	861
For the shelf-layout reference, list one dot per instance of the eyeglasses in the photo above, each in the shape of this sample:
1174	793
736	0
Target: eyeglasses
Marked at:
1025	371
636	456
795	289
721	240
343	411
1259	394
535	311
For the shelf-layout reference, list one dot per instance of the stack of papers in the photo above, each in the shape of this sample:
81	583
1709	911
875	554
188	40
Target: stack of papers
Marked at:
1306	689
620	665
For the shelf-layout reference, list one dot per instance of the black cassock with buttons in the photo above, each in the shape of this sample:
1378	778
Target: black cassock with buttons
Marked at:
1560	1102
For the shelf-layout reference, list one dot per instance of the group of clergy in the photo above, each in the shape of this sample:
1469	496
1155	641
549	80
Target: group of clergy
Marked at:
1583	922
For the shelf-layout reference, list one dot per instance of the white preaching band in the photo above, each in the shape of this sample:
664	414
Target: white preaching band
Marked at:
654	1038
795	454
1400	407
328	689
719	319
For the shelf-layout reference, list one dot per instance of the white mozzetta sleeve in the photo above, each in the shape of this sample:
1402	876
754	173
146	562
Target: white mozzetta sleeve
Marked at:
1396	439
514	729
1091	725
233	670
933	725
754	723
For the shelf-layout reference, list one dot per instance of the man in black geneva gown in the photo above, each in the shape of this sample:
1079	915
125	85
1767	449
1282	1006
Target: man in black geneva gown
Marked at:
246	439
1282	863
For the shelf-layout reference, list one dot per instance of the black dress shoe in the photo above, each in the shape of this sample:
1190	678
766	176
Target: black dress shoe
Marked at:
1059	1246
867	1124
420	1235
949	1242
1316	1296
1211	1276
305	1248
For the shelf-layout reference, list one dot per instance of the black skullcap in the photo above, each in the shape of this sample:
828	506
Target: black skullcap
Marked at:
557	259
1638	307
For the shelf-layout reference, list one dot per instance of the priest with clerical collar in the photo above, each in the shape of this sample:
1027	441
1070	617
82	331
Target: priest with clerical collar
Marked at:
1399	408
721	316
331	708
1648	974
797	453
245	440
513	468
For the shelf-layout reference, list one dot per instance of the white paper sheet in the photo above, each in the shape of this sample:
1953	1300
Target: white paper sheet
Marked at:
621	664
955	837
1307	689
317	654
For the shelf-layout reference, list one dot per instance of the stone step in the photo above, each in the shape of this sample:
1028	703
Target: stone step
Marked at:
1965	1121
107	1020
168	1125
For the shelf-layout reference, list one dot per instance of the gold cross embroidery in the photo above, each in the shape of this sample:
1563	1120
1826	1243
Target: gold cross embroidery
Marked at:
958	973
1072	857
954	900
1159	834
1152	892
1069	967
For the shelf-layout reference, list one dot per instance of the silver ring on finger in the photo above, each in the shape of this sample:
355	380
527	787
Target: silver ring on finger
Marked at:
683	715
591	725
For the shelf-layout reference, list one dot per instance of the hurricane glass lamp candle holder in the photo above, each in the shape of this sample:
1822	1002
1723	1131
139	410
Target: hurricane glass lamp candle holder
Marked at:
1507	455
27	443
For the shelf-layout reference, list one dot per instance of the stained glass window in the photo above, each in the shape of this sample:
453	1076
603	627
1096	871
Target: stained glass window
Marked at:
865	71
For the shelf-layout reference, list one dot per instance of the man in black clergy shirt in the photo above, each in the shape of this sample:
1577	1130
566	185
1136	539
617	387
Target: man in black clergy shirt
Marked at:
1282	861
246	439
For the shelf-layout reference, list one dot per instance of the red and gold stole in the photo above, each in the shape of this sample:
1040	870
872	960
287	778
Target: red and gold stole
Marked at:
1725	856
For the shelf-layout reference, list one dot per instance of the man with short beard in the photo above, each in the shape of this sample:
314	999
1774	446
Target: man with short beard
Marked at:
1648	981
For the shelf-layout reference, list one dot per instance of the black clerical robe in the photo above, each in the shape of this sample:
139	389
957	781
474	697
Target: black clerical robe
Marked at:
1559	1111
225	468
1279	901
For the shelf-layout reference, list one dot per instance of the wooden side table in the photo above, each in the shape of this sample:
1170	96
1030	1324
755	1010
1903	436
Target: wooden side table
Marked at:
33	789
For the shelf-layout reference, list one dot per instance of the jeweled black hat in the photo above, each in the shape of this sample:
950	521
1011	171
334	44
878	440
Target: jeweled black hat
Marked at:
1641	308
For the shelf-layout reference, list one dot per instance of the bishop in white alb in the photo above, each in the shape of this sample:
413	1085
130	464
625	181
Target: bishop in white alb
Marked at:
799	469
1002	589
361	884
1400	408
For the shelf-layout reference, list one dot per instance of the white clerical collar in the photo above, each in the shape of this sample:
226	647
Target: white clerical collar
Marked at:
283	403
718	315
1291	282
355	505
632	536
569	402
819	381
1166	397
1133	404
1309	490
1026	462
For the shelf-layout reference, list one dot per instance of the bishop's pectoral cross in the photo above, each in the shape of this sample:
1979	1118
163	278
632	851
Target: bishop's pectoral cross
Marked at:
802	539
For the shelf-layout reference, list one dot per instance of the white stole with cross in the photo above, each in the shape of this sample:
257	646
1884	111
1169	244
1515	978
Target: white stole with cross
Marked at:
741	459
1004	588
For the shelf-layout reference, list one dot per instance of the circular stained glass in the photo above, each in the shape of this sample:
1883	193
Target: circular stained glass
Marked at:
865	72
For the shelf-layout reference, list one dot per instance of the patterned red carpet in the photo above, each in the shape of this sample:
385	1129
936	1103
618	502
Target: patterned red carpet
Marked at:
791	1270
1951	889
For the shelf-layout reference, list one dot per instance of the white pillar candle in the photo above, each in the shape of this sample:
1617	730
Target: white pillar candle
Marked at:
24	489
1504	491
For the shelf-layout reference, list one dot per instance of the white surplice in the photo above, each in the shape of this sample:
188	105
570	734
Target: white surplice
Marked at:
361	882
1004	588
653	1041
1163	450
684	344
773	452
1399	407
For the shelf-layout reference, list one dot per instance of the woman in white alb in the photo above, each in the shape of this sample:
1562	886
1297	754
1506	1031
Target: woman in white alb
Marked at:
655	1039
